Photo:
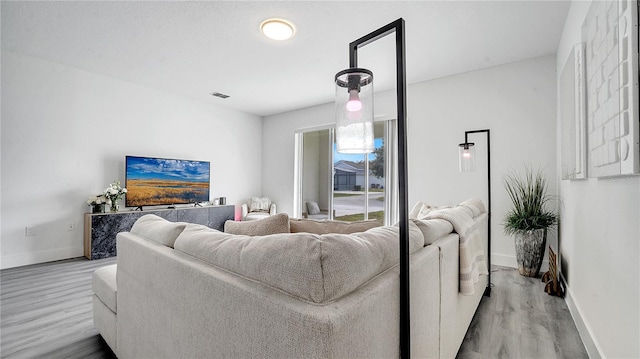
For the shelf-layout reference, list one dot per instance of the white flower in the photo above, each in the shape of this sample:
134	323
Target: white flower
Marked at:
114	192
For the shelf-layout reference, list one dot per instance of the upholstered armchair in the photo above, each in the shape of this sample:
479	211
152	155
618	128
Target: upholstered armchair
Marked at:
258	208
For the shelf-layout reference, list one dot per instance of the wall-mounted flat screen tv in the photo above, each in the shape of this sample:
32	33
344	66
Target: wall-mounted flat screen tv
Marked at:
163	181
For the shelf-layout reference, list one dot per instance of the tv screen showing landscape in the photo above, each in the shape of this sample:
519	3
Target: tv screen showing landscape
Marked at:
163	181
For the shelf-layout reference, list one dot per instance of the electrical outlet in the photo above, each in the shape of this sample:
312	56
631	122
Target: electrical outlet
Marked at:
71	227
29	231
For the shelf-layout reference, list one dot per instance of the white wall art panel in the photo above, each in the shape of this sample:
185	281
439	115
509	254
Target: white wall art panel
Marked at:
610	31
573	115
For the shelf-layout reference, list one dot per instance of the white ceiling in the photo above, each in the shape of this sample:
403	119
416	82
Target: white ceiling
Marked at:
195	48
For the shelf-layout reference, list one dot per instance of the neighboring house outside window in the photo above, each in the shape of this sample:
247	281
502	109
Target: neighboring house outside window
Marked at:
349	176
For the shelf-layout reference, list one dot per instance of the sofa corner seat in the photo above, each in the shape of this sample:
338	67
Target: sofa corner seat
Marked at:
190	301
219	313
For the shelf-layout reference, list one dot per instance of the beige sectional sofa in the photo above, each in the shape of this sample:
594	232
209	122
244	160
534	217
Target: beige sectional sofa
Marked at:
184	290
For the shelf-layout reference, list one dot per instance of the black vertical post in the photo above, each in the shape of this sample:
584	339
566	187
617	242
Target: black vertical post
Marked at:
401	105
405	313
487	290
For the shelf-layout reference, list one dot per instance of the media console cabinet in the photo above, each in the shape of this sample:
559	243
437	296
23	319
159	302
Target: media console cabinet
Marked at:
100	229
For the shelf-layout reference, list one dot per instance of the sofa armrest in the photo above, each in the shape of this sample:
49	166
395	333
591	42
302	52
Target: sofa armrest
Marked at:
449	281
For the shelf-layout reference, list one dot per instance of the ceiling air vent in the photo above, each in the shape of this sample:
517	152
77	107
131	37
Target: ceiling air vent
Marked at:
218	94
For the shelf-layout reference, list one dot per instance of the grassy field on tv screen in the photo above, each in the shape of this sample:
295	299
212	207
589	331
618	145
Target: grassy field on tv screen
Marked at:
153	181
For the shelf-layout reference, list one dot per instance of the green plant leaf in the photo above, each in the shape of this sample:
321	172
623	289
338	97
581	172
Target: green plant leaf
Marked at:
529	197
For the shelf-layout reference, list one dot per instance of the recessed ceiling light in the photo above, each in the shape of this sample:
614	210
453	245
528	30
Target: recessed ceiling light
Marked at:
277	29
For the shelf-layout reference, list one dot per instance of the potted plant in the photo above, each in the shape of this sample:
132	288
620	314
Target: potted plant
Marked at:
529	219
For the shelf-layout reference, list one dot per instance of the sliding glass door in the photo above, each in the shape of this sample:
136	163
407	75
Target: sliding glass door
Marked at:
358	182
315	182
331	185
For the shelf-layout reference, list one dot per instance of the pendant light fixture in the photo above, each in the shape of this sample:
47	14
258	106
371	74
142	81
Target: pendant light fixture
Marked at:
467	159
354	111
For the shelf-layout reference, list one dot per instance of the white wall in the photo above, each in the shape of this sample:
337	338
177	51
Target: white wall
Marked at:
65	133
600	245
278	135
516	101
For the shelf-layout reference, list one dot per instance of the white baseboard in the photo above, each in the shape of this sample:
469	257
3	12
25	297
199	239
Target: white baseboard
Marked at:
504	261
584	330
23	259
511	262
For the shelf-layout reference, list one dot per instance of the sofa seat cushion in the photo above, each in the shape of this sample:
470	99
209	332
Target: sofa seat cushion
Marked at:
312	267
252	216
157	229
329	226
104	286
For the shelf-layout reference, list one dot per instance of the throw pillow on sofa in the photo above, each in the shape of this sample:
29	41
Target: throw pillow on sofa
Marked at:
475	205
421	210
278	223
260	204
157	229
313	208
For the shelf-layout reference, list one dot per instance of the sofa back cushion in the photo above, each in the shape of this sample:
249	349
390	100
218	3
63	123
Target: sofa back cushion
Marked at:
157	229
278	223
475	205
432	229
328	226
312	267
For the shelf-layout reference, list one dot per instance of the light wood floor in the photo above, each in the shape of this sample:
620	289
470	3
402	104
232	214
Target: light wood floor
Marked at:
45	312
520	320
